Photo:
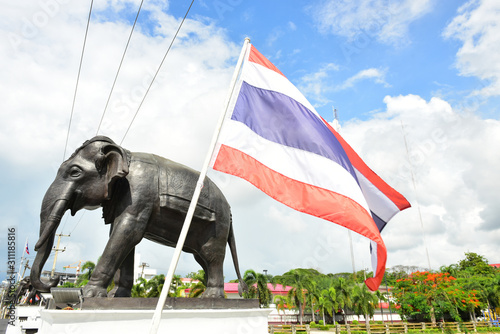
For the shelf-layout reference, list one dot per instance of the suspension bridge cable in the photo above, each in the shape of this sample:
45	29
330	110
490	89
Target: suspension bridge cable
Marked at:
64	224
78	78
79	220
157	71
119	67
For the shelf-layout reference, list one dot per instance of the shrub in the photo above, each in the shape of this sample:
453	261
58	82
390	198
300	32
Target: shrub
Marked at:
312	324
355	322
321	323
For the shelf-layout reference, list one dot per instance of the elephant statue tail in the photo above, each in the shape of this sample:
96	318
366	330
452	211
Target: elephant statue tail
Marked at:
242	286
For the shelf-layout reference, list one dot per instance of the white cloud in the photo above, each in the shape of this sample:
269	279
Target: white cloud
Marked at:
477	27
453	158
386	21
377	75
315	85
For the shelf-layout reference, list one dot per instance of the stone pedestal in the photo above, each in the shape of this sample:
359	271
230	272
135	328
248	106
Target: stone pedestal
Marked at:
180	315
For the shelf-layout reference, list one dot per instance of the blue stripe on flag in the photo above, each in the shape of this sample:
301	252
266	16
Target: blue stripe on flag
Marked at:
378	221
281	119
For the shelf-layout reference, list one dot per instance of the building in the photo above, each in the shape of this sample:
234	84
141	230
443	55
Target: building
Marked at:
231	290
142	269
63	276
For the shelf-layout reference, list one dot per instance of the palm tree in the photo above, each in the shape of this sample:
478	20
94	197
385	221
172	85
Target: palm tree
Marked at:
175	286
332	294
154	286
364	301
257	284
298	297
83	279
139	289
452	269
344	290
381	298
299	279
282	303
492	293
200	286
312	297
326	302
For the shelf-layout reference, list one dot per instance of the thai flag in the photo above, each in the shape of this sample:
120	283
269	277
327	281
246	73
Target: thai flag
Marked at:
26	248
275	139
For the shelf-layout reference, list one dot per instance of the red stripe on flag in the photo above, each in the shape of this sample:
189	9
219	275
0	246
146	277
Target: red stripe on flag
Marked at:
258	58
303	197
374	282
359	164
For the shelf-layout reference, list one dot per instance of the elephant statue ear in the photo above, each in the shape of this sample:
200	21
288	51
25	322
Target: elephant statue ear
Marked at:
113	162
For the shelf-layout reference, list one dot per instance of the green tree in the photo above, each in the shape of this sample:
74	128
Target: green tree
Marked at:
283	303
382	298
428	295
312	297
69	285
176	286
489	290
475	264
87	269
327	302
257	287
299	280
475	274
364	301
197	288
139	289
344	291
154	286
452	269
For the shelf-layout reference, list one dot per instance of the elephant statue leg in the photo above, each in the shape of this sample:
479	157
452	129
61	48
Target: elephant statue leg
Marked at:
126	234
214	261
215	284
124	277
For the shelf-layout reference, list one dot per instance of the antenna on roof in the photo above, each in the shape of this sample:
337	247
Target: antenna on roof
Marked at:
336	124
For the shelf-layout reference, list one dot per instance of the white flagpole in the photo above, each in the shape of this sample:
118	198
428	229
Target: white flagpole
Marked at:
155	324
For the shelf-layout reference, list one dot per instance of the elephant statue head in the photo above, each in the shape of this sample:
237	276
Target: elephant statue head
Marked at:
85	180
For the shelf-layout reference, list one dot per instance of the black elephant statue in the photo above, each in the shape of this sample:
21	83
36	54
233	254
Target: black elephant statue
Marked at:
142	196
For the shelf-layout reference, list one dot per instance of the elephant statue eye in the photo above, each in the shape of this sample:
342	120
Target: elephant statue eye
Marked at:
75	171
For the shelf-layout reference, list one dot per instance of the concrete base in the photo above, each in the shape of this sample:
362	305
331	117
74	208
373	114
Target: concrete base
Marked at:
116	316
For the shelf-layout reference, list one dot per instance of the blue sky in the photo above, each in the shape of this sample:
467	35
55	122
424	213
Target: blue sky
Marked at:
429	66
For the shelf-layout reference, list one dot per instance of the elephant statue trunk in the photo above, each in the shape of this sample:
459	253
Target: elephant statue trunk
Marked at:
50	217
40	259
50	224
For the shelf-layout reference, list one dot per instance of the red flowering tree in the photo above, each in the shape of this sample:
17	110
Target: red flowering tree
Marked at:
425	294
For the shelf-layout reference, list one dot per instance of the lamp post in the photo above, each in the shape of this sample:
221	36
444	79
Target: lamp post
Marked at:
143	265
